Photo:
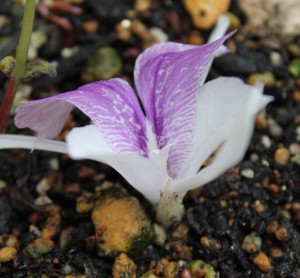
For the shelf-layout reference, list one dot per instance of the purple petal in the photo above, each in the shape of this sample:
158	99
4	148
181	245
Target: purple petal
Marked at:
167	84
111	105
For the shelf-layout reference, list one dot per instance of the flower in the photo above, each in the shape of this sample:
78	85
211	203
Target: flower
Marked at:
161	151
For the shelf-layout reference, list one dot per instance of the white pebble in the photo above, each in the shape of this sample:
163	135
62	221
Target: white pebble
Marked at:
54	164
274	128
275	58
266	141
158	34
247	173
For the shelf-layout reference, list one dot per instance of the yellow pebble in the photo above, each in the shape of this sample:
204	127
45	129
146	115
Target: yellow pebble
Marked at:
262	262
282	156
204	13
7	254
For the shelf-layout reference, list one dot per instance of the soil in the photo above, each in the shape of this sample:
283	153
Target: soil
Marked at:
244	224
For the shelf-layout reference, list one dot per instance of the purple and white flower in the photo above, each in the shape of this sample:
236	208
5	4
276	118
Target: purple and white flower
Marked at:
160	148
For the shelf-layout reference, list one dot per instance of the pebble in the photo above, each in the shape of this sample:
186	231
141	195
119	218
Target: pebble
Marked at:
281	234
275	129
7	254
261	122
266	141
86	172
39	247
282	156
276	252
142	5
8	241
266	78
3	184
258	206
262	262
296	159
251	243
194	38
105	64
121	234
206	12
90	26
158	34
296	96
199	268
276	59
273	188
123	31
160	235
85	202
123	267
248	173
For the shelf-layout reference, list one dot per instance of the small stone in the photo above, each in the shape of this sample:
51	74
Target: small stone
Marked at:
247	173
7	254
123	31
210	243
85	202
105	64
251	243
296	159
266	141
158	34
266	78
281	234
294	148
234	21
166	269
282	156
199	268
294	49
258	206
206	12
276	252
276	59
39	247
275	129
296	96
262	262
273	188
160	235
124	225
142	5
139	29
86	172
90	26
195	38
9	241
124	267
53	222
261	122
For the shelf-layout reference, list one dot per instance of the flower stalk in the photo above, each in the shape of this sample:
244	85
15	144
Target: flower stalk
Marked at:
20	63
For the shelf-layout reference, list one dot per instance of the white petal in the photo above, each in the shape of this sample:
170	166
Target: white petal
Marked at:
226	109
142	173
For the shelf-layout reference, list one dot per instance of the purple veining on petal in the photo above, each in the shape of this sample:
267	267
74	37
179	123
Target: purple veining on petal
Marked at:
168	84
111	105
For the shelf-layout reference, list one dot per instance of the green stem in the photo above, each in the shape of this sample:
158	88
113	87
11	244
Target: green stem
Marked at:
20	66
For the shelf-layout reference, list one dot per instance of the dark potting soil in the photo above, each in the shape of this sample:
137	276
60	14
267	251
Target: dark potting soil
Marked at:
244	224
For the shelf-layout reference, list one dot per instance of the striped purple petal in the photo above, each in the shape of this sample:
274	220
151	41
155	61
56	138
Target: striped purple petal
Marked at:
111	105
167	84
